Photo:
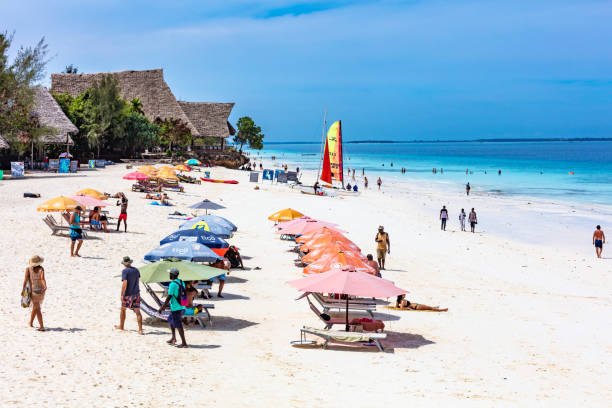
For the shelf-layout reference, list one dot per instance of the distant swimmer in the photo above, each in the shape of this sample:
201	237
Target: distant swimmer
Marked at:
599	238
365	181
466	171
467	189
441	170
391	164
443	218
499	172
379	182
363	171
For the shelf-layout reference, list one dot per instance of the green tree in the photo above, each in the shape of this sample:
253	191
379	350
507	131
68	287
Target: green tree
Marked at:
105	115
140	133
173	133
248	133
17	79
71	69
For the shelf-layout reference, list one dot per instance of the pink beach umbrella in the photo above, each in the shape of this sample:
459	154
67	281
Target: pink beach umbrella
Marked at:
297	221
88	201
136	175
307	226
347	281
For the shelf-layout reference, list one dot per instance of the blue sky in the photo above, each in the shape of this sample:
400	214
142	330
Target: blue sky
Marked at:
392	69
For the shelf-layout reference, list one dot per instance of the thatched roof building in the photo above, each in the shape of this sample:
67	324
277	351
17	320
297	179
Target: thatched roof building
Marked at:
149	86
210	118
51	115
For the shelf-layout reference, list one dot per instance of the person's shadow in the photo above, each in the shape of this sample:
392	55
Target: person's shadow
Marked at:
61	329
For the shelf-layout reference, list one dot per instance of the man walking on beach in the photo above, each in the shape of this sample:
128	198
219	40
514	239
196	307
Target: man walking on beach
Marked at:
443	217
473	220
599	238
76	232
379	182
130	293
383	246
176	291
462	218
123	215
467	188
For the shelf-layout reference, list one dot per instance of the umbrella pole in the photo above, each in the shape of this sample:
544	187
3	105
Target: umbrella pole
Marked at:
347	321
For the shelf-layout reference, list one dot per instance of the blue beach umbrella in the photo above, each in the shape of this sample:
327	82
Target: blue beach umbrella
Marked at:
216	229
215	219
190	251
196	235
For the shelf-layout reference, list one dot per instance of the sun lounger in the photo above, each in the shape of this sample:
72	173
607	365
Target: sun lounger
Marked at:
56	228
361	305
343	337
155	314
332	320
157	300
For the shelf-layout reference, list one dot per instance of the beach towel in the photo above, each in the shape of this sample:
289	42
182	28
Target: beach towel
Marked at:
369	324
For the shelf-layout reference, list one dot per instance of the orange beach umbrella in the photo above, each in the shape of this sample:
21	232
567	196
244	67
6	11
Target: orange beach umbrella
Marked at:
339	260
287	214
60	203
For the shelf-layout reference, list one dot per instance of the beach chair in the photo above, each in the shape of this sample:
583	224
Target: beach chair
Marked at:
343	337
159	303
163	316
56	228
328	323
361	305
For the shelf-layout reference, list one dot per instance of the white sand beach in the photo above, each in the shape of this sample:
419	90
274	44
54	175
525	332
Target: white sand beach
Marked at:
528	321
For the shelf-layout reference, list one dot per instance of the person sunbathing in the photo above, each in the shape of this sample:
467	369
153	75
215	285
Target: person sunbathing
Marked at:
403	303
153	196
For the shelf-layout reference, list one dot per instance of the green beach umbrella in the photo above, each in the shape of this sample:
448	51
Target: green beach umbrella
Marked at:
188	271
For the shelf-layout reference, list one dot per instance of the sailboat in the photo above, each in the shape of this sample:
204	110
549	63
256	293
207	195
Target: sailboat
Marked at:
331	170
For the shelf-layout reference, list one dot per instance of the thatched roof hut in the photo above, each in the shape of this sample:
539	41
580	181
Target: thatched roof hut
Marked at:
149	86
210	118
50	114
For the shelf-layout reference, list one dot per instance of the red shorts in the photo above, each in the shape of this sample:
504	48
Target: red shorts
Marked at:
122	217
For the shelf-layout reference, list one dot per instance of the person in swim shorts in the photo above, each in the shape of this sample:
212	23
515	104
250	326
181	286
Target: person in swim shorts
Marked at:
76	233
383	246
599	238
123	214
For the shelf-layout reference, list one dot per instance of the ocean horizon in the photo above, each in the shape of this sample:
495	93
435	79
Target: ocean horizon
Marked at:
577	170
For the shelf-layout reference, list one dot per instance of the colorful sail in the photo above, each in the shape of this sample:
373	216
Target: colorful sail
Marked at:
326	174
334	145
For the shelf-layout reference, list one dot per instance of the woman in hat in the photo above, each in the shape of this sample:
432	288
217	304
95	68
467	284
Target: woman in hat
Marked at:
35	276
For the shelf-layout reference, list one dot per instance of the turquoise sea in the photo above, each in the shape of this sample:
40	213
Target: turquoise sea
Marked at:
529	169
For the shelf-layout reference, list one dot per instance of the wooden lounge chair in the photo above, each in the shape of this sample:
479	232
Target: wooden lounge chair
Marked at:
157	300
343	337
361	305
56	228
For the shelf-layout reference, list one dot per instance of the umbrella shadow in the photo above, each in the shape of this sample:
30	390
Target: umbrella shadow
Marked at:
227	323
230	296
397	340
204	346
235	279
246	257
92	257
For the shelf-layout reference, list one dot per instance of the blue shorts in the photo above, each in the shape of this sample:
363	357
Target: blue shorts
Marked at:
598	243
176	319
75	236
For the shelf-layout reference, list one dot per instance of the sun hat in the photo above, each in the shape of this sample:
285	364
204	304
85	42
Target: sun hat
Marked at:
127	260
173	272
36	260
